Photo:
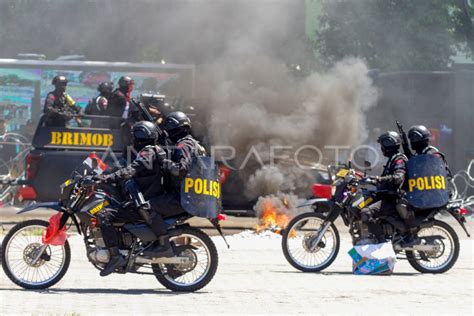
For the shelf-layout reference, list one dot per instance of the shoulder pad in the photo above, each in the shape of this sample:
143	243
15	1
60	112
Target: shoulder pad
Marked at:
399	156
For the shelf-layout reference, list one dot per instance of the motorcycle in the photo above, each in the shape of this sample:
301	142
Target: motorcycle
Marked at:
36	254
311	240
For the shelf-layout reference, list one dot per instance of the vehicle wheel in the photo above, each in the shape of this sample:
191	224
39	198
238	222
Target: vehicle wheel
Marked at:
200	270
441	260
19	249
297	243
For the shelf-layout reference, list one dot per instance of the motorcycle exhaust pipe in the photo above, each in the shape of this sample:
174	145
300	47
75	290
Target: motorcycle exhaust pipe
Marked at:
164	260
423	248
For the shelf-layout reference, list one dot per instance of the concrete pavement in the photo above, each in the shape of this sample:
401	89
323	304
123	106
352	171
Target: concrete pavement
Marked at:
254	277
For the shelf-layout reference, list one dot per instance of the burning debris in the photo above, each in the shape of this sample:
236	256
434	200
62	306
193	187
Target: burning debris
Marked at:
275	212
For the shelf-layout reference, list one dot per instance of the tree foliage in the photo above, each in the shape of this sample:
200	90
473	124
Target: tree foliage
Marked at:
394	34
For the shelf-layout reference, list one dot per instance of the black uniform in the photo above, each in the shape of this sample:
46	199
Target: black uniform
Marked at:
58	110
98	106
118	103
145	170
391	180
142	176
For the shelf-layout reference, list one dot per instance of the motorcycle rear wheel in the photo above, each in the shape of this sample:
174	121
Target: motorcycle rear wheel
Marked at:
449	249
19	248
186	278
295	238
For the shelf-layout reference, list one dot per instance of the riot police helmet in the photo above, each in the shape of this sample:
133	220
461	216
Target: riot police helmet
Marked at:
177	125
389	143
125	83
105	87
419	137
59	81
144	132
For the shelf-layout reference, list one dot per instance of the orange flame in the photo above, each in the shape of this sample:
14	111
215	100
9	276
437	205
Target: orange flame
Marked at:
273	218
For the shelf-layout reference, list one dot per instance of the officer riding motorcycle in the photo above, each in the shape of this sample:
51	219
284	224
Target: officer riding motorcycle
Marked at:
59	106
388	184
142	181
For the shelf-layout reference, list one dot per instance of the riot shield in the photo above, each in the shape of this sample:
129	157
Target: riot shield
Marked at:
201	190
427	185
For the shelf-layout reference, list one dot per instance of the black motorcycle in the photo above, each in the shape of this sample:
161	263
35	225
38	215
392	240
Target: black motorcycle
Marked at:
311	240
33	262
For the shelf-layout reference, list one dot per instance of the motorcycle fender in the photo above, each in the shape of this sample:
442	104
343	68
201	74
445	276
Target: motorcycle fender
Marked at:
460	219
51	205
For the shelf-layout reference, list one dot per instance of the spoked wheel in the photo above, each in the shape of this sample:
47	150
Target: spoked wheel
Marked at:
201	265
29	263
443	257
301	246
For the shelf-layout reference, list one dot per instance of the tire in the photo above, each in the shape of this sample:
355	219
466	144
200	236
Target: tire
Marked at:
163	277
11	275
415	263
286	238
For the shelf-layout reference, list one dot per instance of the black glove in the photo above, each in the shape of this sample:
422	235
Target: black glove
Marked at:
100	178
167	165
67	115
371	180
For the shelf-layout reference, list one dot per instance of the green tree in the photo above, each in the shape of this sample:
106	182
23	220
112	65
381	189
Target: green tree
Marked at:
394	34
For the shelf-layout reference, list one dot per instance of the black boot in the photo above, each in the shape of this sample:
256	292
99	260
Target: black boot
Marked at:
161	248
411	239
116	261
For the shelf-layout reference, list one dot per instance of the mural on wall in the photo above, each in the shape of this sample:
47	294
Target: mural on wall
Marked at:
17	88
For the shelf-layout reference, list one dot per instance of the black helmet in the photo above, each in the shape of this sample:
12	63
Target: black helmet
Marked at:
419	137
105	87
389	142
125	82
144	132
59	80
177	124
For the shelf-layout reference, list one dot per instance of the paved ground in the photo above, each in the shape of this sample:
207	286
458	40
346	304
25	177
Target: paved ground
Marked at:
253	277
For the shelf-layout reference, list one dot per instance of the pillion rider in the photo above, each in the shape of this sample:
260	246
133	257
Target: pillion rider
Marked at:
420	138
58	105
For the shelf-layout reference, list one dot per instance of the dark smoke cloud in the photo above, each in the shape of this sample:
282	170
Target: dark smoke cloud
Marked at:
243	46
258	103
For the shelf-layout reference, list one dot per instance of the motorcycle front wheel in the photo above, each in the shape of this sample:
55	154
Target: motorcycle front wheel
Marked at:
202	265
444	257
29	263
299	238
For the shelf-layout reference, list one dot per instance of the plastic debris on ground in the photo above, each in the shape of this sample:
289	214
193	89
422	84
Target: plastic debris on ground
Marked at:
373	259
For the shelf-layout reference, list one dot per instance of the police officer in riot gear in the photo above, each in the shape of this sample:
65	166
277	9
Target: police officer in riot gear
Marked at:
420	137
59	106
142	180
100	104
119	102
388	184
178	128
